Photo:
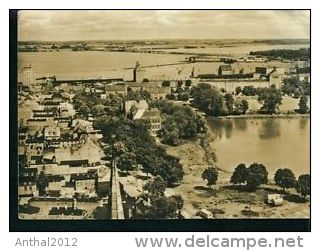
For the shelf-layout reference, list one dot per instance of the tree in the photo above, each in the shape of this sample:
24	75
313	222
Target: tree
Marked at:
145	95
127	161
245	106
84	110
238	90
134	137
179	201
42	183
202	96
216	105
229	102
98	110
188	82
171	170
184	96
303	185
239	175
249	90
303	104
170	96
164	207
211	175
256	176
270	98
156	187
285	178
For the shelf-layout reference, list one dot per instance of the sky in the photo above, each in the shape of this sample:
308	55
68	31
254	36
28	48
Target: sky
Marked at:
66	25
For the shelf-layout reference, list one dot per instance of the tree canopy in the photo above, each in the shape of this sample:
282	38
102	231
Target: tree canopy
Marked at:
303	185
211	175
239	175
285	178
257	175
136	140
270	98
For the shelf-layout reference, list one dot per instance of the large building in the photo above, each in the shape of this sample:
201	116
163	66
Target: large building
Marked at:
154	117
28	75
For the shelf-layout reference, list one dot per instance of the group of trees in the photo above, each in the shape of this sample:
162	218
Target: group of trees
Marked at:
181	93
160	206
211	101
138	95
90	103
133	145
252	176
270	98
179	122
256	175
296	88
301	54
285	179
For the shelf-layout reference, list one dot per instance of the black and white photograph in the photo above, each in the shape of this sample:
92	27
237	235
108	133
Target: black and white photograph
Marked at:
173	115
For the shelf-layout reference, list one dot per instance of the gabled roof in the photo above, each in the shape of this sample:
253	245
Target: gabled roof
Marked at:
154	112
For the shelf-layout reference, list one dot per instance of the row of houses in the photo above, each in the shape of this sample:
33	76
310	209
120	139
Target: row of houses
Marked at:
60	168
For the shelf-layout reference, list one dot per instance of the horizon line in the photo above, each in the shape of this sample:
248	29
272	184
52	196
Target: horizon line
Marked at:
160	39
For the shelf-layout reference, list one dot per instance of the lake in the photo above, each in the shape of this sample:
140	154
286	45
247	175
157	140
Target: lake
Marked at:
274	142
95	64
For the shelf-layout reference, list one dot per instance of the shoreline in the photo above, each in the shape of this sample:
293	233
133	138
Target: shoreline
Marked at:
258	116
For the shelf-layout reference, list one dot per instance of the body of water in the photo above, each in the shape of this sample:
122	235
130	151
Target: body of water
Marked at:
274	142
95	64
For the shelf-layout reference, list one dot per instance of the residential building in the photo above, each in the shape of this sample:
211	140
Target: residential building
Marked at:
154	117
51	133
85	183
27	182
115	90
28	75
225	69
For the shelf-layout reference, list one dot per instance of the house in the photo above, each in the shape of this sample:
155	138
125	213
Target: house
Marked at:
85	154
225	69
37	124
65	208
51	132
28	75
115	90
55	183
85	183
275	77
158	92
34	150
27	182
263	70
103	184
154	117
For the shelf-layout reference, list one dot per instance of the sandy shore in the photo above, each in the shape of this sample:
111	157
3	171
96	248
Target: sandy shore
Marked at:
223	199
